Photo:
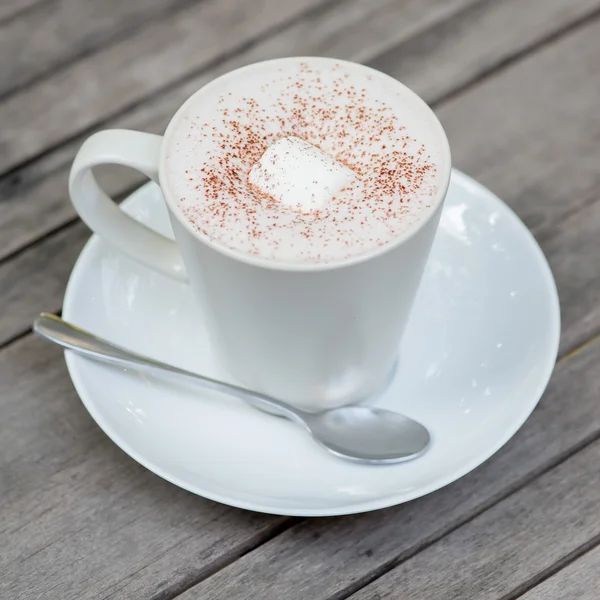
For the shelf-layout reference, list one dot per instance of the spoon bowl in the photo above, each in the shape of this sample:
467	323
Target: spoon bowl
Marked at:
379	436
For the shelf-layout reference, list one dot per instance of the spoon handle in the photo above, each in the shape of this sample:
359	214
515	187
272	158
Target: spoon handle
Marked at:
73	338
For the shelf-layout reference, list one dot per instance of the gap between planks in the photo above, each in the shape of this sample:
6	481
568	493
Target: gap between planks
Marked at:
62	227
507	62
387	567
576	575
553	569
53	166
211	64
117	36
565	357
322	7
464	568
436	102
189	582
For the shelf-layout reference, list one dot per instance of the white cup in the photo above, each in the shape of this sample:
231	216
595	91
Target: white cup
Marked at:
315	335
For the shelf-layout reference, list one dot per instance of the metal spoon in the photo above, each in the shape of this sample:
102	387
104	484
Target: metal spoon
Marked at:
359	433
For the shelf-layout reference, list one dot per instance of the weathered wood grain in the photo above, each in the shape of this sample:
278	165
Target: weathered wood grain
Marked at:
78	518
331	558
22	197
530	133
578	581
71	502
506	549
54	33
10	9
35	280
168	52
126	72
574	253
475	41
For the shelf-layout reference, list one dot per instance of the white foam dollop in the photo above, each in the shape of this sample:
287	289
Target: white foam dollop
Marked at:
299	175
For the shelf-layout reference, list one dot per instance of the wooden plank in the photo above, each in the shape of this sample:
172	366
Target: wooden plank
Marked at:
40	188
54	33
510	546
72	503
24	199
332	558
179	565
167	53
160	55
35	280
573	253
477	40
9	9
528	132
578	581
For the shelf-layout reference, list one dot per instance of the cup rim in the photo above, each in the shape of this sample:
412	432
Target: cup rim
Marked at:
282	265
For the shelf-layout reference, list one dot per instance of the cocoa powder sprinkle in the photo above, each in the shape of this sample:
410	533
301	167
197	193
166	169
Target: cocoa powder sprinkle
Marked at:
395	174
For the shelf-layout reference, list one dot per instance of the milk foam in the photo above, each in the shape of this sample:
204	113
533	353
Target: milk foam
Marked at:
363	120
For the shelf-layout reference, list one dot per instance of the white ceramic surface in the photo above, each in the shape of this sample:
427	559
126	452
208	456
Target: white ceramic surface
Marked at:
477	354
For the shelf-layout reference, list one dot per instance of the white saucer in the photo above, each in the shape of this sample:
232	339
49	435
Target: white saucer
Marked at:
476	357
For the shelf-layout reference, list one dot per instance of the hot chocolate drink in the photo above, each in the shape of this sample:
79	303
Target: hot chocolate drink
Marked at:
296	162
304	196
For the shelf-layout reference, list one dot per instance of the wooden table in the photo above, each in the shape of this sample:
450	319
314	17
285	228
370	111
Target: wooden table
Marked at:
516	84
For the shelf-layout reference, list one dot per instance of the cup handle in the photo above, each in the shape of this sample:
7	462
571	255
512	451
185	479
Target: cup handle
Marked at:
139	151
